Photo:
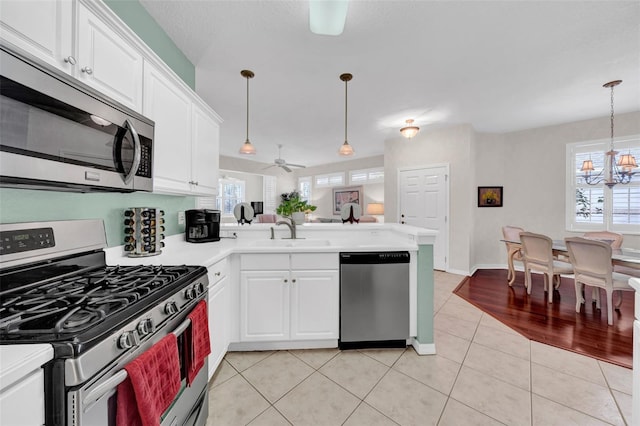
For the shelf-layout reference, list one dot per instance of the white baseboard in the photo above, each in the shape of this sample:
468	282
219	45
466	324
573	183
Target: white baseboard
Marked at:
458	272
273	346
423	348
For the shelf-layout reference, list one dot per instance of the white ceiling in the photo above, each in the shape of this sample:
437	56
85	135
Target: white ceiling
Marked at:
498	65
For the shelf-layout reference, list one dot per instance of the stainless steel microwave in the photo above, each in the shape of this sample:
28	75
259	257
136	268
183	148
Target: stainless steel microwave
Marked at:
58	133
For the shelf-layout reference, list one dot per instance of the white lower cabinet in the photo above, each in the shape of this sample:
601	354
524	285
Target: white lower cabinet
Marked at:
23	403
279	302
219	313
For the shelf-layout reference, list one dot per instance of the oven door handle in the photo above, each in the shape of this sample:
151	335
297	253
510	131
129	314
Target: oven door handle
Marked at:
121	375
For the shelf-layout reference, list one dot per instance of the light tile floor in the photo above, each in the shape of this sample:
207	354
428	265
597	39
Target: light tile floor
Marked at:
484	374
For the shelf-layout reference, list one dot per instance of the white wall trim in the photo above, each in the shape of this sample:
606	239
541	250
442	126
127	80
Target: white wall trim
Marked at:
459	272
423	348
267	346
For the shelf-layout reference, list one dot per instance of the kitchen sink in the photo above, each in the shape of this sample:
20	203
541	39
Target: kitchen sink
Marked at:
300	242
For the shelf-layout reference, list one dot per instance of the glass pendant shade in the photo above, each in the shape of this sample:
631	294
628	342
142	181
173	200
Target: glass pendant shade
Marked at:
346	150
247	148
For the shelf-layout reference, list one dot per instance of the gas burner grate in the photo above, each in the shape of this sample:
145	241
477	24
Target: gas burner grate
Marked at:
79	301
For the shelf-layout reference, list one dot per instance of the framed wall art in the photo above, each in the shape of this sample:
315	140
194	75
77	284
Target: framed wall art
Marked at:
346	194
489	196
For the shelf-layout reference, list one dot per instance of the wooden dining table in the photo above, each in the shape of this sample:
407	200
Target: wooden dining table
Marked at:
629	258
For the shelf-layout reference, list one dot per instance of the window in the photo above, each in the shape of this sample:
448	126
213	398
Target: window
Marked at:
333	179
230	193
366	176
269	192
304	188
596	207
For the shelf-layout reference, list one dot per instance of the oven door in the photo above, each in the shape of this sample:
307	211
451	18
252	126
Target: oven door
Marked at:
58	134
95	403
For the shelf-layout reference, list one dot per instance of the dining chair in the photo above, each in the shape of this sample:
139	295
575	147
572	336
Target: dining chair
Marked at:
538	257
591	261
511	235
611	238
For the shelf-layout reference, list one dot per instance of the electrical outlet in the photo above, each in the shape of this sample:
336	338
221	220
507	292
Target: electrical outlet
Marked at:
180	218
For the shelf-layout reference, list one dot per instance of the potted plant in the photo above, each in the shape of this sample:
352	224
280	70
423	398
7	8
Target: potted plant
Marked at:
293	207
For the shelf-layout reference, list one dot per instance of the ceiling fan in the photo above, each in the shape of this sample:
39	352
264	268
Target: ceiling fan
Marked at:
279	162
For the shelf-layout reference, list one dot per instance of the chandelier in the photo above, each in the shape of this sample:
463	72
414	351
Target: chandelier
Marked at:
612	173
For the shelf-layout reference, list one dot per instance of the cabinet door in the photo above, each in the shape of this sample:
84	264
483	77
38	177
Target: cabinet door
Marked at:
264	305
23	403
107	62
43	28
314	305
205	156
170	108
218	323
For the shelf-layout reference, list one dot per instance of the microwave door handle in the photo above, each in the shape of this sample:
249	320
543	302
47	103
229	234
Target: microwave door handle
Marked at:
113	381
137	152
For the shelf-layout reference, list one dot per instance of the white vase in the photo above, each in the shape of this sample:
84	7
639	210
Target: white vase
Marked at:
298	217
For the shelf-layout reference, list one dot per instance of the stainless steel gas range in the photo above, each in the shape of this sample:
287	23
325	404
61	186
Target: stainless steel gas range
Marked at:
56	288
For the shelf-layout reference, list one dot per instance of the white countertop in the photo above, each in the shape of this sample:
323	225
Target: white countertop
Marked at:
316	238
19	360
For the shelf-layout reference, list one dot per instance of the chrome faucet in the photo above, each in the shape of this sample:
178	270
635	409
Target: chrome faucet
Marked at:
292	226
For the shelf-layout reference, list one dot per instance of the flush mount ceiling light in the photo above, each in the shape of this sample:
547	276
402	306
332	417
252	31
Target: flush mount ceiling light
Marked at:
612	173
345	150
409	130
247	148
327	17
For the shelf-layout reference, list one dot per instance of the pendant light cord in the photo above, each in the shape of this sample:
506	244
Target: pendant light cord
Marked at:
345	109
247	107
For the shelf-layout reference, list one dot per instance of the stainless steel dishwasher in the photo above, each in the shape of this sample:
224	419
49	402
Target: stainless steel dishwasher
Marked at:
374	300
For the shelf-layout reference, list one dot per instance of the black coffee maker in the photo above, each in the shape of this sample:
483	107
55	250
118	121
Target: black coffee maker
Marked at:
202	225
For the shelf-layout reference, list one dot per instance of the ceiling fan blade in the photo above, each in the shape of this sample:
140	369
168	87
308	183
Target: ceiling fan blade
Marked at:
296	165
286	168
268	167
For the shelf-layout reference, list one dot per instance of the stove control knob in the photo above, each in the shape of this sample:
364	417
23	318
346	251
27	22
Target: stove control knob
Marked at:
200	288
145	327
190	293
126	340
170	308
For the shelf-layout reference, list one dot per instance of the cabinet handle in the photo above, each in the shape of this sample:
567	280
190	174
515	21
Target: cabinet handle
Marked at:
217	274
88	70
402	222
293	280
70	60
286	280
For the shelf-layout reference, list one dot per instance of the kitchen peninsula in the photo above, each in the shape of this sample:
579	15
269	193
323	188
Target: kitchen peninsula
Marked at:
254	302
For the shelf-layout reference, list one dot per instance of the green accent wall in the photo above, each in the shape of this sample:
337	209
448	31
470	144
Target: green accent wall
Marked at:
425	294
19	205
138	19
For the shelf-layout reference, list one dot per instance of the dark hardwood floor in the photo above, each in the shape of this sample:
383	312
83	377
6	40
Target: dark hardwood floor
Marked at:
555	324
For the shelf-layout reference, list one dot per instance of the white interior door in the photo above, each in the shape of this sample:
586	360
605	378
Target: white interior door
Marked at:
424	202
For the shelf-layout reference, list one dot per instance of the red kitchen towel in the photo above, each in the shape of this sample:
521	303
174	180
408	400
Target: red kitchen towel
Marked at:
197	344
152	384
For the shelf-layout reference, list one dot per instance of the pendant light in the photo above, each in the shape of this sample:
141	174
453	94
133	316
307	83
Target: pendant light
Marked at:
616	173
409	130
345	150
247	148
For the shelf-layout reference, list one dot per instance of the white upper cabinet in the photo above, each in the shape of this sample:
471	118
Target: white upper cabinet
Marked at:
107	62
170	108
205	152
42	28
186	137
